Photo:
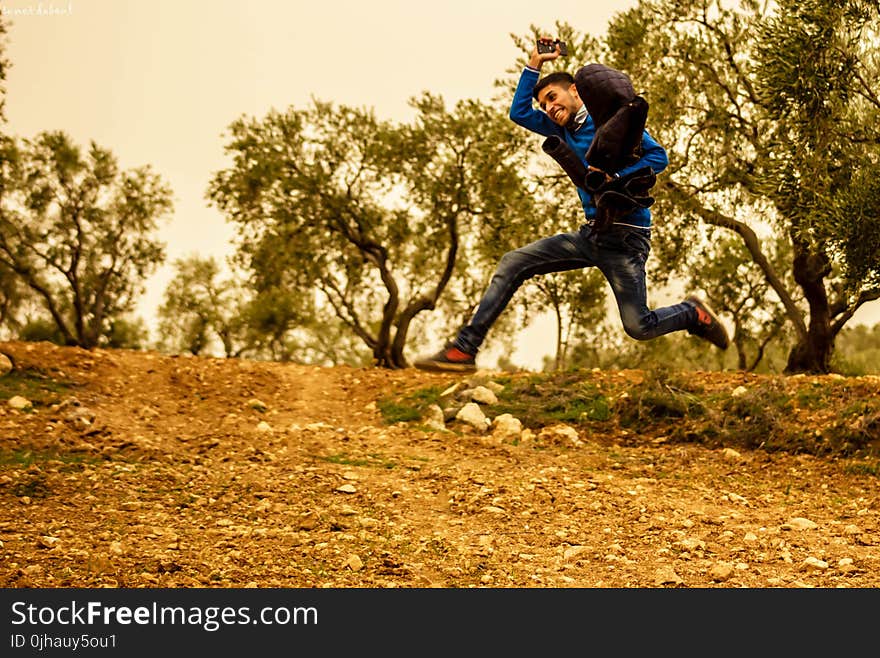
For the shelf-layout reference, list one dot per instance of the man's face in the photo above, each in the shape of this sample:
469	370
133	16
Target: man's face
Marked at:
560	102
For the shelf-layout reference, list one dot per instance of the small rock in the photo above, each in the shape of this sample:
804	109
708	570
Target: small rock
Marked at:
473	416
799	523
434	418
354	563
814	564
48	542
483	395
347	488
560	434
257	405
739	391
264	427
692	544
307	522
573	552
720	572
507	427
731	455
19	403
666	576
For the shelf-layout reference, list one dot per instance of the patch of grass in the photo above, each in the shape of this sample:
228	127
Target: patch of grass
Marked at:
25	458
541	400
408	408
35	385
862	407
662	395
771	414
34	486
851	435
812	396
863	468
396	412
372	460
755	418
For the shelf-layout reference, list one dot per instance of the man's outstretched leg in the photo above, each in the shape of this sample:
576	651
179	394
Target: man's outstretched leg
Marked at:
557	253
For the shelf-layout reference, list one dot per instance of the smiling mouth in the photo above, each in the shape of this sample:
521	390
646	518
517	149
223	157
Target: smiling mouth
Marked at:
557	113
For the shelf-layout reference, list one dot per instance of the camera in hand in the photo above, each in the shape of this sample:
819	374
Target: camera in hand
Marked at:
550	46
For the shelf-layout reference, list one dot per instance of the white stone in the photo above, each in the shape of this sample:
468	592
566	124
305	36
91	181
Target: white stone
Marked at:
434	418
354	563
483	395
507	427
731	455
560	434
721	572
800	523
473	416
20	403
815	564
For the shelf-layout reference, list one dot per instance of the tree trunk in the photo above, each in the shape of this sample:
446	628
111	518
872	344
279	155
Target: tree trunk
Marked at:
812	352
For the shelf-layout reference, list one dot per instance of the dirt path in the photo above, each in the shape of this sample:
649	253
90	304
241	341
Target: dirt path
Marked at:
158	471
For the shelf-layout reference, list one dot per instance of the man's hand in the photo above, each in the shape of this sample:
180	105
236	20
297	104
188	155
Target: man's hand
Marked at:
608	177
537	59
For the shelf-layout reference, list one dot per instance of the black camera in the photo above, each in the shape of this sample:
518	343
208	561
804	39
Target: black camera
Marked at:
550	46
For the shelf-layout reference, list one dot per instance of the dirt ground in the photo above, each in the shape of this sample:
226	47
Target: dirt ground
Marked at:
148	470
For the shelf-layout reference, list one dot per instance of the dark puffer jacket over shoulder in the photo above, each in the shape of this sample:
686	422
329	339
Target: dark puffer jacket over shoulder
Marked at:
618	112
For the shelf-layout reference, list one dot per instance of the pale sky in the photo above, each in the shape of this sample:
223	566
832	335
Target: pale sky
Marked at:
158	81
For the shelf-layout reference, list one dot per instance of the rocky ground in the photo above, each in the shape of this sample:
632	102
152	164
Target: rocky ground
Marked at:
136	469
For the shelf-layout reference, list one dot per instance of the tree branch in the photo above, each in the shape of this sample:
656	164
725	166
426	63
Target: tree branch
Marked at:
751	242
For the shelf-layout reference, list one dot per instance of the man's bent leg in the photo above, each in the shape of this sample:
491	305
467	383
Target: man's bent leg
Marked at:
557	253
625	271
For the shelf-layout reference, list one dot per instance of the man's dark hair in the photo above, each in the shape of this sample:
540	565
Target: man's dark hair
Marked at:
563	78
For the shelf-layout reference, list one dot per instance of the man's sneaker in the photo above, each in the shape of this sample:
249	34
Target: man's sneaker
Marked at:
708	326
449	359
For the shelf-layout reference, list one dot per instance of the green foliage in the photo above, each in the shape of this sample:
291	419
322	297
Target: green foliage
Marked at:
4	66
366	222
26	458
199	310
661	396
769	113
863	468
825	160
128	333
42	329
76	231
858	350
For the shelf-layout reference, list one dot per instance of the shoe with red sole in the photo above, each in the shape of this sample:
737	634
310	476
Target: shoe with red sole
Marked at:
708	326
449	359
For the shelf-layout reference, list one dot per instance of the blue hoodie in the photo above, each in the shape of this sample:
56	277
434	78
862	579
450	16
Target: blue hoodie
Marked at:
524	113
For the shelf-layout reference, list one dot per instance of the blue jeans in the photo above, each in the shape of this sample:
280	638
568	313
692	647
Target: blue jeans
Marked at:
619	252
